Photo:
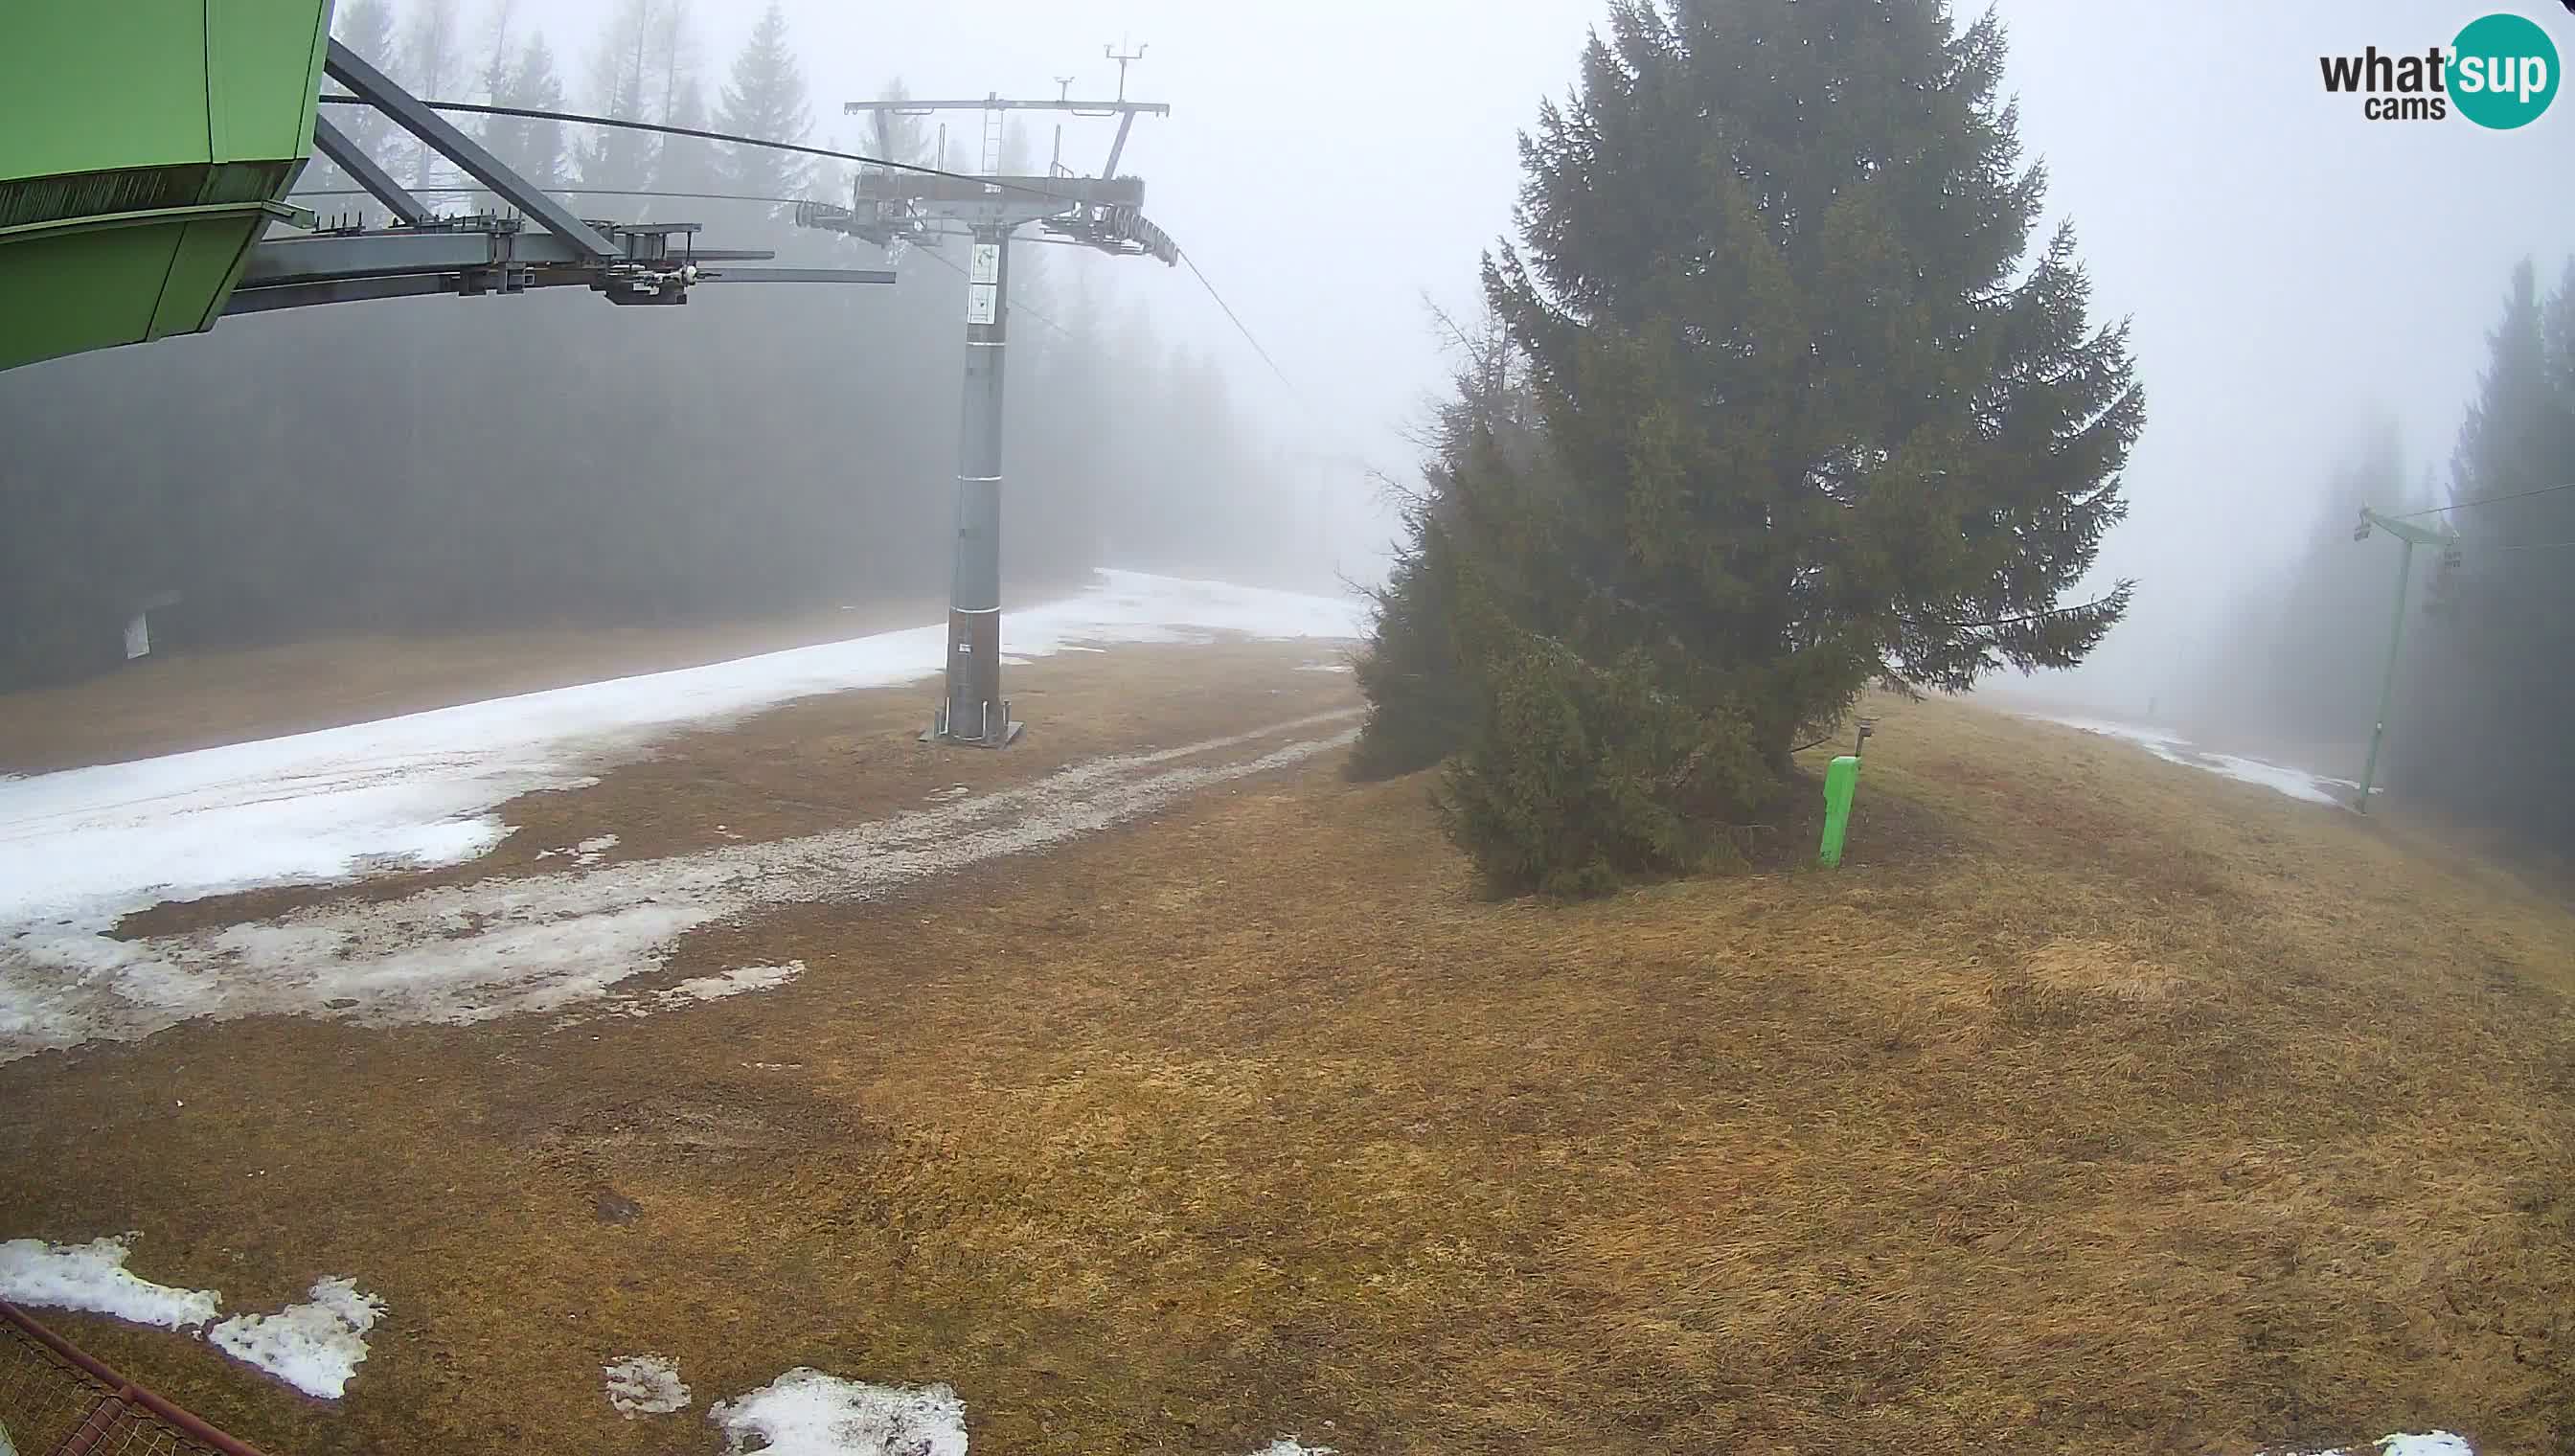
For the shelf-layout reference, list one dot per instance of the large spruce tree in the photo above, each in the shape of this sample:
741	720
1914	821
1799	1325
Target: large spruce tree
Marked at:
1813	416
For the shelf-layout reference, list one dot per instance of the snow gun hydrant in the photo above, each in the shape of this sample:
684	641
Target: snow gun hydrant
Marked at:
1841	781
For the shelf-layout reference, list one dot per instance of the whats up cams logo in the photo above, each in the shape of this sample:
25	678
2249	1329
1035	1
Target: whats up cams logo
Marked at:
2500	72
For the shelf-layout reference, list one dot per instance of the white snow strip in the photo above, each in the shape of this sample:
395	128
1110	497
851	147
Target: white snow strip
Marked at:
808	1413
646	1385
80	849
2430	1443
93	1277
546	944
732	983
1290	1446
2280	777
315	1346
587	852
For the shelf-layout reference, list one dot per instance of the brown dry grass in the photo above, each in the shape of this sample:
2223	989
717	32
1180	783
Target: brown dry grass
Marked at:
2096	1105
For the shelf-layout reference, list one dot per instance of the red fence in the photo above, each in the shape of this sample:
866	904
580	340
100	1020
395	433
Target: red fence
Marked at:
56	1401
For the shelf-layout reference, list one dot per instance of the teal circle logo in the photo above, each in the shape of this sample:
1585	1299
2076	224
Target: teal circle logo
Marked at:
2503	71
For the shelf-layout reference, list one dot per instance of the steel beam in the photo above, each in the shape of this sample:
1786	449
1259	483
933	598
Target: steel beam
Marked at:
1117	148
377	255
876	185
248	300
362	169
798	275
440	135
995	103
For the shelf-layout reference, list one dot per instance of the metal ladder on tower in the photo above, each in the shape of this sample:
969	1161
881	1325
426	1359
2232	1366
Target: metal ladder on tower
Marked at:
992	119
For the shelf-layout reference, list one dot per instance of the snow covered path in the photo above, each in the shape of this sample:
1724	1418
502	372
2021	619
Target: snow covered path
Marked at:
80	849
2295	783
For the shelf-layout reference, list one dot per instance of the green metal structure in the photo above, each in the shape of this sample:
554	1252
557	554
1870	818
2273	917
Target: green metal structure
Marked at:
145	146
1842	782
2412	535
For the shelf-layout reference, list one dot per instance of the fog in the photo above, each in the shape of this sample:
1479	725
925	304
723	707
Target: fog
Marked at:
2292	269
1336	168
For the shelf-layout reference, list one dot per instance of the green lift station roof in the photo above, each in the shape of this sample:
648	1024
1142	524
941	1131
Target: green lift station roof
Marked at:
145	145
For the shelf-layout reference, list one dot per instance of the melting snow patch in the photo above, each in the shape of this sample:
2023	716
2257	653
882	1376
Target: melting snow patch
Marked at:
2280	777
93	1277
646	1385
544	944
315	1346
808	1413
1290	1446
587	852
2430	1443
732	983
1323	667
82	848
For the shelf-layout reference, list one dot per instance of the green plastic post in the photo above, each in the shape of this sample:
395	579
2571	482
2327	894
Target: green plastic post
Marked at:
1842	780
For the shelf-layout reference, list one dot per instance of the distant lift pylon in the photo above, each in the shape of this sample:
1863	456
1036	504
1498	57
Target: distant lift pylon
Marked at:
892	209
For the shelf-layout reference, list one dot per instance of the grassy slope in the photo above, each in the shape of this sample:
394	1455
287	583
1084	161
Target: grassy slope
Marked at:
2096	1105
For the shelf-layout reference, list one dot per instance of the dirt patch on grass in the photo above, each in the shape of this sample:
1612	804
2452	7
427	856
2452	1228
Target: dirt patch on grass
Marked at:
2095	1105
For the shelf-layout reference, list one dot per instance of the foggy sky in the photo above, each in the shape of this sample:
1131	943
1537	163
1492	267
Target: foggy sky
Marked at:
2289	266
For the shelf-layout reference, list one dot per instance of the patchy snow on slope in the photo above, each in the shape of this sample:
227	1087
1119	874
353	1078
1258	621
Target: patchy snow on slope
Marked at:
2280	777
646	1385
732	983
315	1346
460	954
91	1277
2429	1443
808	1413
587	852
81	847
1290	1446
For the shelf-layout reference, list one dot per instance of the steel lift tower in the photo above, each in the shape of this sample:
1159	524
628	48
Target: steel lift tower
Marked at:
890	208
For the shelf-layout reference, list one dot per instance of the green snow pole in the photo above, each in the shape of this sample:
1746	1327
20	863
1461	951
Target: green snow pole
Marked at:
1840	780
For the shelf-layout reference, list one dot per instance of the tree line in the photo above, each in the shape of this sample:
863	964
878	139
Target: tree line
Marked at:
2483	702
442	464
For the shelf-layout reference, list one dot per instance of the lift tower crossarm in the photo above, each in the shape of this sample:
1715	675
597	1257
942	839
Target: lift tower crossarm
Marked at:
2404	530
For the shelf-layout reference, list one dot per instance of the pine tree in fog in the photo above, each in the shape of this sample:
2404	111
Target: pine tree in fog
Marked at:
536	148
367	27
432	65
764	97
621	68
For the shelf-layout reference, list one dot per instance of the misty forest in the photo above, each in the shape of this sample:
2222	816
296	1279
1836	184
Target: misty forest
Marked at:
1805	728
2482	701
540	461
